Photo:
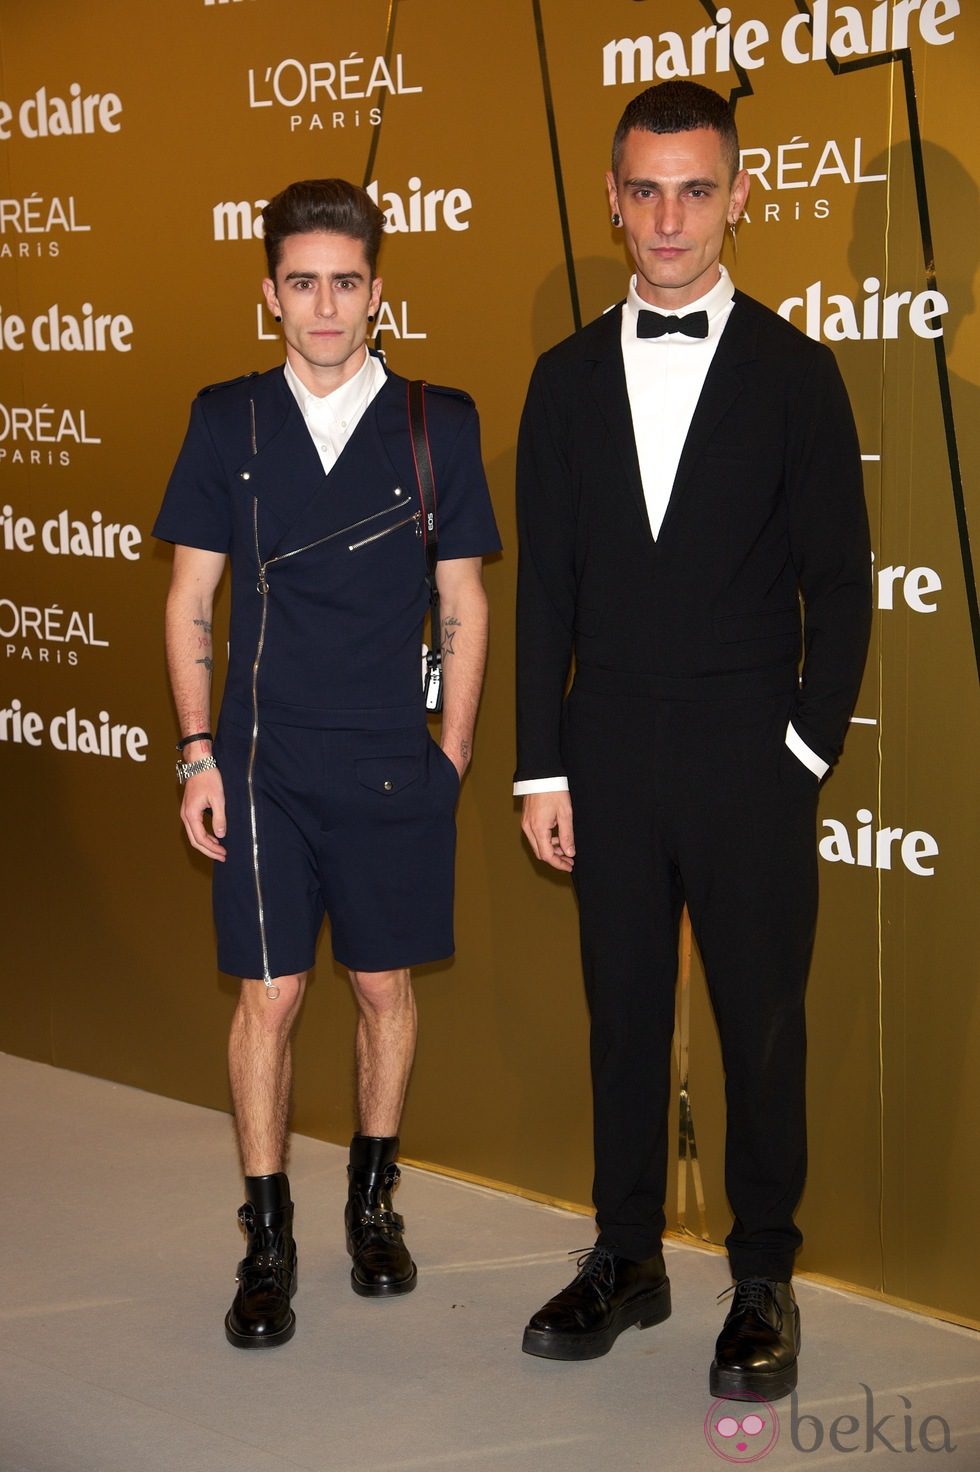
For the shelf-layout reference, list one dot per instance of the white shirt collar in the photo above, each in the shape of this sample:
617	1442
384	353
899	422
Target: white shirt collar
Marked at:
715	302
342	402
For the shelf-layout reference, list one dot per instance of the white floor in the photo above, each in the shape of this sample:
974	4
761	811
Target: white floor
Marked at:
118	1265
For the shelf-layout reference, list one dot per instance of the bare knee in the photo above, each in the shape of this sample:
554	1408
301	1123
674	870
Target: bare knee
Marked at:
259	1007
381	992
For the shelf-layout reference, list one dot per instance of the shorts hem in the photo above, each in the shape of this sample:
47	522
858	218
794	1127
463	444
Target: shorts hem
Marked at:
249	974
426	958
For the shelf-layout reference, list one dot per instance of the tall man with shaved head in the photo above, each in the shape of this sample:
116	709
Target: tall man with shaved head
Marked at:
693	531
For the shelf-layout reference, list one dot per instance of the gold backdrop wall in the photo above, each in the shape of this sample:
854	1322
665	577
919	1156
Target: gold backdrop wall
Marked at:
137	142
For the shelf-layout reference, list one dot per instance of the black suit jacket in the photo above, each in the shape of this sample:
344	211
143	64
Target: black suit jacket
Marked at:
763	555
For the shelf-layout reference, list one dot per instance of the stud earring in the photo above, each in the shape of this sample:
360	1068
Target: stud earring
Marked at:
278	318
370	316
616	219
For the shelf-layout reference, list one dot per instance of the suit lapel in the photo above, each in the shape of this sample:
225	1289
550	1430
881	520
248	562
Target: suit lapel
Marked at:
285	473
724	382
609	387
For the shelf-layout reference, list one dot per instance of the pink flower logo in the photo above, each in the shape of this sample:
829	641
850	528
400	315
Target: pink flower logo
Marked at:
741	1433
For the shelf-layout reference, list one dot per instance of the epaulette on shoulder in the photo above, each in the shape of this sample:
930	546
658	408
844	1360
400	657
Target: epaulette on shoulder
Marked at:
211	388
452	393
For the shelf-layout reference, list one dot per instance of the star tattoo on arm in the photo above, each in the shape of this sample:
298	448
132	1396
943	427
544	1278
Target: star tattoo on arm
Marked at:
449	627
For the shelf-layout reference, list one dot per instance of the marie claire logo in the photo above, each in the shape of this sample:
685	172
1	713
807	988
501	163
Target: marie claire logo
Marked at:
42	435
802	165
320	85
875	316
915	587
742	1435
45	115
839	31
872	848
413	211
36	216
56	330
53	635
70	731
67	536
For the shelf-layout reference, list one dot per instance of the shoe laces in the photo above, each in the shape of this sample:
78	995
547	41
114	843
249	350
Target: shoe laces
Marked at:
598	1267
757	1295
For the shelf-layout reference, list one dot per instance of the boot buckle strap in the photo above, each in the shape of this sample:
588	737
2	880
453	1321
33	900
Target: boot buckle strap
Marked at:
381	1217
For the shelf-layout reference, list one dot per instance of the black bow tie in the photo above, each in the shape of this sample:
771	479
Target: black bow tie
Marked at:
655	324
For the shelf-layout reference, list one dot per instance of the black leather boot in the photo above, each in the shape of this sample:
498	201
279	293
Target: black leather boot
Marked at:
382	1264
609	1294
260	1315
757	1347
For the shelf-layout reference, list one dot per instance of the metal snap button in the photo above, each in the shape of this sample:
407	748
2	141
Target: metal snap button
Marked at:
245	475
388	785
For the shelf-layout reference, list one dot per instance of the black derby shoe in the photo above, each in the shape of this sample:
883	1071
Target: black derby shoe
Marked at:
260	1316
756	1351
608	1294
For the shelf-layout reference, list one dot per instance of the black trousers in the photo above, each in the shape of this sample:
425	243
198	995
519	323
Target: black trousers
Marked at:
695	800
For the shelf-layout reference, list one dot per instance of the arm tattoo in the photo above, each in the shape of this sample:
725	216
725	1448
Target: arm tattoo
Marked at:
449	627
204	642
465	750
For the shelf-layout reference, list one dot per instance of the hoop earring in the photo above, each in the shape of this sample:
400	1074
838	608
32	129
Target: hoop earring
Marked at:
616	219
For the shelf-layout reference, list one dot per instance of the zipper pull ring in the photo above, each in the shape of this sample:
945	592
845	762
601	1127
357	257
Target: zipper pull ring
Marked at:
262	586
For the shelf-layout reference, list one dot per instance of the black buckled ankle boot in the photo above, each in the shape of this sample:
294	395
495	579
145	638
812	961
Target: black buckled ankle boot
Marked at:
382	1264
260	1315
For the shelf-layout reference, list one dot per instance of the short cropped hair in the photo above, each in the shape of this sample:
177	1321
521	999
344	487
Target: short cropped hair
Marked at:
331	205
679	107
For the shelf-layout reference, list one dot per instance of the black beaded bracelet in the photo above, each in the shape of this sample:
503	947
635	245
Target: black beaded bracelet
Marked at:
198	736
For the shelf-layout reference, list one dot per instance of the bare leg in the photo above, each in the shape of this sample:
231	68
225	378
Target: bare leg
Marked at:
386	1032
260	1071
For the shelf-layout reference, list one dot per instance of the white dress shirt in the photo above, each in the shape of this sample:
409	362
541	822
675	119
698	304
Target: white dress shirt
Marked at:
664	379
332	418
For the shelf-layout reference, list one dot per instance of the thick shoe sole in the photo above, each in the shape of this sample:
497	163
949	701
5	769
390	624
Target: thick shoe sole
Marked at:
643	1311
260	1341
384	1290
726	1384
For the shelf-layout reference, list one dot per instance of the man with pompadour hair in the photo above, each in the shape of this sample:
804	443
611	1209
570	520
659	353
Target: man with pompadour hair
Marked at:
688	478
321	791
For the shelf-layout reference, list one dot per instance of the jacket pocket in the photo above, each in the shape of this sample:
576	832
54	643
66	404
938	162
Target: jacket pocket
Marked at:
388	774
387	531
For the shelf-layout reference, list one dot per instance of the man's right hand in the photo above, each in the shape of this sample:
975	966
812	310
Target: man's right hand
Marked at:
204	791
547	823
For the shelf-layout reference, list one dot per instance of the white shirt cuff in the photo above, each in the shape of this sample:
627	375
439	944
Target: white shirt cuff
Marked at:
541	784
803	753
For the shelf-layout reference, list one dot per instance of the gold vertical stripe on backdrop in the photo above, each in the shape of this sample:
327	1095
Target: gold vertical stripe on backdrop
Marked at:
687	1149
